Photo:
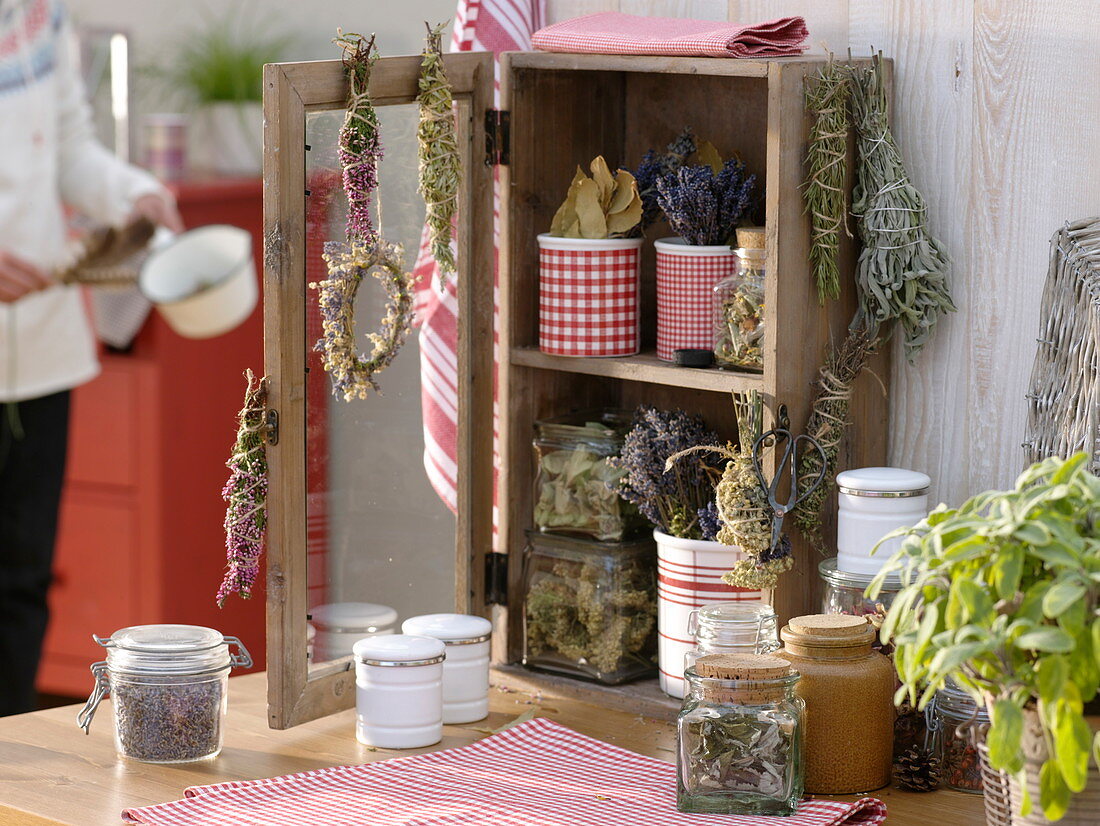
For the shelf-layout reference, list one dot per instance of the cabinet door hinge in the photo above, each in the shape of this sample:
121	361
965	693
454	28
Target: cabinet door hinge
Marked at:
496	579
497	136
271	426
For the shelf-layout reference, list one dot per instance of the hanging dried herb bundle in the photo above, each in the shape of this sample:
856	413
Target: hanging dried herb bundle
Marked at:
827	168
360	148
828	423
440	163
245	494
353	374
110	255
902	270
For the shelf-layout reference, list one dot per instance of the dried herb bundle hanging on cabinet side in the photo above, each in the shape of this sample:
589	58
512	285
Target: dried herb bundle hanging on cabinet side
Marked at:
902	271
360	147
440	164
824	191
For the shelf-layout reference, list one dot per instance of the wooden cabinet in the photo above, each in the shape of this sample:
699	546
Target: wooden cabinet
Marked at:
140	537
563	111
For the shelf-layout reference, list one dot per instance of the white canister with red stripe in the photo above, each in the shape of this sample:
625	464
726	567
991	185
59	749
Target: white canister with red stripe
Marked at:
689	576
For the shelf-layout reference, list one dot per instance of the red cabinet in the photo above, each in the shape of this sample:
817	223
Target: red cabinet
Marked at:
140	538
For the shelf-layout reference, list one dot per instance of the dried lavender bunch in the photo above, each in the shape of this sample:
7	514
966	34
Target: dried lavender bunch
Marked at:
827	167
702	207
655	166
828	423
245	495
360	148
671	500
354	374
440	164
902	270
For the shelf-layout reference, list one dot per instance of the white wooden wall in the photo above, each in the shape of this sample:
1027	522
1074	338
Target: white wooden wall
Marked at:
998	117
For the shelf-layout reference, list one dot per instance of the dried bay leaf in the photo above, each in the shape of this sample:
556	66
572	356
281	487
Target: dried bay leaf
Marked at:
598	207
602	176
626	191
566	213
593	223
707	154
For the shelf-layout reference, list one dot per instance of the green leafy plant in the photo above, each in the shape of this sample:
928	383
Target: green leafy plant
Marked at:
1002	595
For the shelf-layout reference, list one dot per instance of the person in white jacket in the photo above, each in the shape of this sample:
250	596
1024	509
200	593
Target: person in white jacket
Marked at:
49	156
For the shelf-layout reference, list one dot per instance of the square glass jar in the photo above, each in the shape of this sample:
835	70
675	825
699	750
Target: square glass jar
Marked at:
590	608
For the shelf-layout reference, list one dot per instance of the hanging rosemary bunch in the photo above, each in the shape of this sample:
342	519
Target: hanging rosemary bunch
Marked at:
827	163
902	270
440	163
360	148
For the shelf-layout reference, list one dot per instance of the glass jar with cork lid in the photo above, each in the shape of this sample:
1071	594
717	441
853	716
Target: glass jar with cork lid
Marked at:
848	688
739	737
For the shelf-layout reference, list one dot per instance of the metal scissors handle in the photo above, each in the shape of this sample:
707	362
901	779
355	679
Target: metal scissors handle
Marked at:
790	457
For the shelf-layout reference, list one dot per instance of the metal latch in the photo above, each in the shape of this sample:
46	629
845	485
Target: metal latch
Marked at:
496	579
498	136
271	426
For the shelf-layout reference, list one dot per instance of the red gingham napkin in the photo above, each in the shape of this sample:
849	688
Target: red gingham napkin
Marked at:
615	33
538	773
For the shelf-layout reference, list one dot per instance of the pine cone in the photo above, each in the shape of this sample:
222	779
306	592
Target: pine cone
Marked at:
917	770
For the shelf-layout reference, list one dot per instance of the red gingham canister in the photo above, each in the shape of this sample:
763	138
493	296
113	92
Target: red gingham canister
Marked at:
686	276
588	296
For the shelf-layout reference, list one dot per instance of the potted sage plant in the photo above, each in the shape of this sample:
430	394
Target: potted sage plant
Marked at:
1002	596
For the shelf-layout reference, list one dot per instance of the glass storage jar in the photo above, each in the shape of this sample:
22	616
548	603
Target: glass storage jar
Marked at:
590	607
957	719
844	591
576	484
732	628
849	694
168	687
739	737
739	313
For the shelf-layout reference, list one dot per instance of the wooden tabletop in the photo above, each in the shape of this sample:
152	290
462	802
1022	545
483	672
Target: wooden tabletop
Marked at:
51	773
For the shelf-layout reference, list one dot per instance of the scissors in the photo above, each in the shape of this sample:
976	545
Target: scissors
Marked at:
774	438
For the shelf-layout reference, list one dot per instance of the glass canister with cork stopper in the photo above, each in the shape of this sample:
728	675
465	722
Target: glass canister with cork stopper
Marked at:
732	628
738	308
957	720
739	737
848	688
168	685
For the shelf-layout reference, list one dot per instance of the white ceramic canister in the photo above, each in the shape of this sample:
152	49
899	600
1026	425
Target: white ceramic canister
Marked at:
341	624
873	502
399	691
466	669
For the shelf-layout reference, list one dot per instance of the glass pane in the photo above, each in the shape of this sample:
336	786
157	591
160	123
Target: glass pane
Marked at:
377	531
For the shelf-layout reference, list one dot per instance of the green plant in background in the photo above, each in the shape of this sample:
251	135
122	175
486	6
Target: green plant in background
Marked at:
1002	595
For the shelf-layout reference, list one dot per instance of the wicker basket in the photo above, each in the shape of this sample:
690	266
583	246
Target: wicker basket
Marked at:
1002	796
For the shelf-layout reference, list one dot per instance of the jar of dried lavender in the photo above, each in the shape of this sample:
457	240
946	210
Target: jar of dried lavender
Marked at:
740	737
167	684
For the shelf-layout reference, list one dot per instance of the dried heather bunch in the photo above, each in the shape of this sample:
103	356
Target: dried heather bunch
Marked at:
655	166
245	495
702	207
360	148
354	374
440	164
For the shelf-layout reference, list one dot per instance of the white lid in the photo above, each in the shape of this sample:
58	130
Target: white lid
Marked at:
883	479
398	648
450	628
351	617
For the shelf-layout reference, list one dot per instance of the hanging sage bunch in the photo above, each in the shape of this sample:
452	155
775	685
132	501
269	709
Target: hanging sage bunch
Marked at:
827	168
902	270
440	163
245	494
828	423
360	148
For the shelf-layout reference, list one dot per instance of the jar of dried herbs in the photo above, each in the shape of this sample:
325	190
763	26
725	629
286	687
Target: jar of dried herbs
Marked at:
739	737
958	718
739	314
167	684
732	628
576	487
590	607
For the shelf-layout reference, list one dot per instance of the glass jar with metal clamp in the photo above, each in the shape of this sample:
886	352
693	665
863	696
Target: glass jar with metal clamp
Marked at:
168	686
732	628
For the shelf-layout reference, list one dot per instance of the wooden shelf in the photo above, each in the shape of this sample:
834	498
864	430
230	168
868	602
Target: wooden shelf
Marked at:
645	367
642	697
659	64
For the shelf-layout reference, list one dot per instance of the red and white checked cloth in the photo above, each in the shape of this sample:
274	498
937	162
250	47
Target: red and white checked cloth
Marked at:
480	25
615	33
538	773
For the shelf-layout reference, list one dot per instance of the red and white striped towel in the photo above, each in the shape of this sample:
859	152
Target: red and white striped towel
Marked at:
615	33
538	773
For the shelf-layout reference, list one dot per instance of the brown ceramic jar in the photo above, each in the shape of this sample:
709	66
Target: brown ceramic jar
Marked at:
848	689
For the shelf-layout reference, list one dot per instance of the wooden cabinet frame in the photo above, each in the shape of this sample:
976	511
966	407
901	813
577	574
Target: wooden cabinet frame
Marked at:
297	692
